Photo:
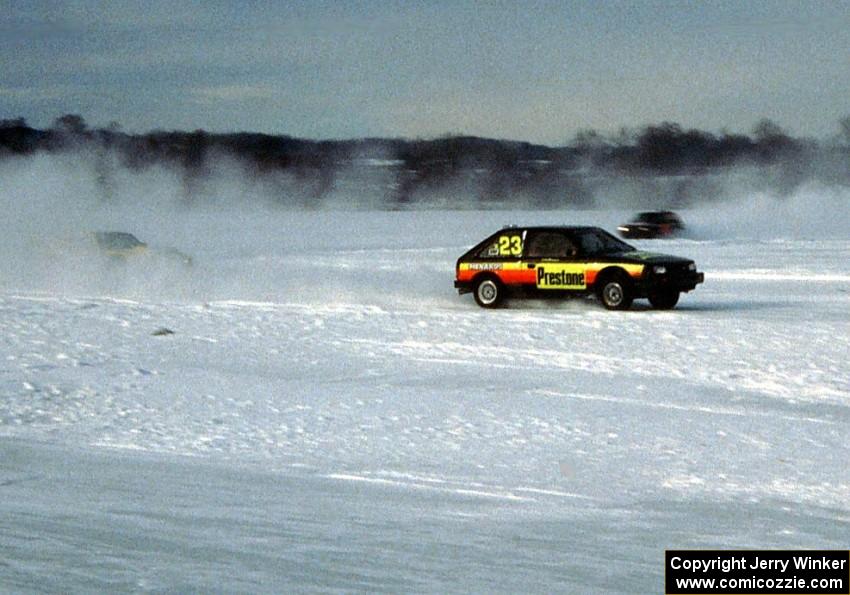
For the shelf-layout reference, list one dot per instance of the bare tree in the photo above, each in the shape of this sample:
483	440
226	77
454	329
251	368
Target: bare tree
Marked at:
589	140
72	123
767	130
13	123
844	124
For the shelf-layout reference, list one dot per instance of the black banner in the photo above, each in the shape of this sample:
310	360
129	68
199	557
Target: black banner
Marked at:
757	572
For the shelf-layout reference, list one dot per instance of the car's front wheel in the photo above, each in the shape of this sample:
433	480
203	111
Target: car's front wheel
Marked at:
488	292
615	292
664	300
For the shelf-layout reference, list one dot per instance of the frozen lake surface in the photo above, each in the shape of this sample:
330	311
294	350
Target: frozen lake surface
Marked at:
329	415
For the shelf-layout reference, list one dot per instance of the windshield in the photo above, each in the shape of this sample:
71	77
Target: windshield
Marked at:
650	218
596	241
656	217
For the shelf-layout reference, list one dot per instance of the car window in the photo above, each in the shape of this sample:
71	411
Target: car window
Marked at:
595	242
651	218
550	244
657	218
591	244
507	244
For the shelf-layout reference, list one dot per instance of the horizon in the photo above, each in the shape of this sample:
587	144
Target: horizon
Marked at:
626	136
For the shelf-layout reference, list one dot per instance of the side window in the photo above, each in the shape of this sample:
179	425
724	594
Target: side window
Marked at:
505	245
591	244
550	244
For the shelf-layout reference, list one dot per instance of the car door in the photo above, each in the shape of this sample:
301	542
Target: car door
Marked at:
554	256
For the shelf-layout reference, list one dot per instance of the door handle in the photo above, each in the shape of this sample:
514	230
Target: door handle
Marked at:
531	265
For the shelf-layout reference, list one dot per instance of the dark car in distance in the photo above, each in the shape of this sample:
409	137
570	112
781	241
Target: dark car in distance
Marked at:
652	224
567	260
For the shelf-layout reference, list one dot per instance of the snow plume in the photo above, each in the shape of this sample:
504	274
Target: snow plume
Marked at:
51	205
813	211
245	244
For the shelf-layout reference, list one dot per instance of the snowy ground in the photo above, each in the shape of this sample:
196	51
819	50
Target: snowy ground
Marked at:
329	415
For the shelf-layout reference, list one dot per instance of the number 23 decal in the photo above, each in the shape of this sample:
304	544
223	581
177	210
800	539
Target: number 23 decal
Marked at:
510	245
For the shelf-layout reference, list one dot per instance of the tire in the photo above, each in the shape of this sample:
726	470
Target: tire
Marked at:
665	300
615	292
488	292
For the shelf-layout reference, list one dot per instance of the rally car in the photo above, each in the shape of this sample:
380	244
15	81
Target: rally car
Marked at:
121	245
118	243
563	261
652	224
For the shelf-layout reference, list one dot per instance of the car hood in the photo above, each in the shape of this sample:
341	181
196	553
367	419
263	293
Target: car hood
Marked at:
642	257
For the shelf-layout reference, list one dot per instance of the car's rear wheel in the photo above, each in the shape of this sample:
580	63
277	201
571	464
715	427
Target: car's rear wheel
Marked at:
615	292
664	300
488	292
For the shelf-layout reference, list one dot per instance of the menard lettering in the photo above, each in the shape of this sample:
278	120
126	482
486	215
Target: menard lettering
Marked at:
485	266
560	277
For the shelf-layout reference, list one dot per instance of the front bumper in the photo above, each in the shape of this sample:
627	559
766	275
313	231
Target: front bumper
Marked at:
678	282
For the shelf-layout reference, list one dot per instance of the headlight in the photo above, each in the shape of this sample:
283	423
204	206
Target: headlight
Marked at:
692	266
659	270
622	228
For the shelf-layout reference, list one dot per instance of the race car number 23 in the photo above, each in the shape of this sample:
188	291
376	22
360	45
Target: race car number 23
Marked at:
510	245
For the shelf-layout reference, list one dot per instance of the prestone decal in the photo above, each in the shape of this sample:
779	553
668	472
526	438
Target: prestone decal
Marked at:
561	276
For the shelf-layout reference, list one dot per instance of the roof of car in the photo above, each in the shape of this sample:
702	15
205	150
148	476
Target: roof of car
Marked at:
117	239
657	213
552	227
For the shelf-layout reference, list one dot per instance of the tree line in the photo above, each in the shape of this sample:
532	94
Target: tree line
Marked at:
677	166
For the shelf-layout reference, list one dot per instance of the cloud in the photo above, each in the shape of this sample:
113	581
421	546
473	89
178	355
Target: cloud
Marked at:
17	93
368	69
231	93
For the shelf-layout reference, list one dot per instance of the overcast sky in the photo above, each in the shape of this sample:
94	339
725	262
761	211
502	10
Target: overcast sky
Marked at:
534	71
